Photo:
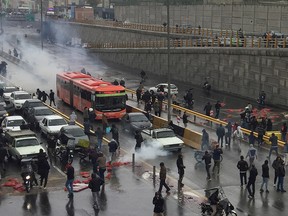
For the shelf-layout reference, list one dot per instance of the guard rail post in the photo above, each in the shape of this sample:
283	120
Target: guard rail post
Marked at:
245	42
212	42
218	42
207	32
284	43
133	162
252	42
276	43
231	41
237	40
154	175
201	42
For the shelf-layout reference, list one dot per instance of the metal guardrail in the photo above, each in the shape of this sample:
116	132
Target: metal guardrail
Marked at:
209	119
250	42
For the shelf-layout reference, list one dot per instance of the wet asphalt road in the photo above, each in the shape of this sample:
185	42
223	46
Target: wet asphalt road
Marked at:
136	191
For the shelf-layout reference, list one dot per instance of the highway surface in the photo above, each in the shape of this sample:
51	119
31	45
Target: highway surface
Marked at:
128	193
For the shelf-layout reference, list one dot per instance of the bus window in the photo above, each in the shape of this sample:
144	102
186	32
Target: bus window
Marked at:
86	95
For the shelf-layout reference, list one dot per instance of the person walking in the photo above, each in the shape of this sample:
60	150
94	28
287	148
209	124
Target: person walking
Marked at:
72	118
238	137
276	163
252	155
162	175
94	185
99	134
269	125
139	139
156	107
181	167
113	146
86	114
70	179
281	175
265	176
101	161
44	96
251	181
205	140
207	158
217	109
217	158
185	119
52	97
115	134
43	171
208	108
3	154
242	165
138	94
104	123
274	145
220	132
251	138
158	203
39	94
283	132
52	142
228	134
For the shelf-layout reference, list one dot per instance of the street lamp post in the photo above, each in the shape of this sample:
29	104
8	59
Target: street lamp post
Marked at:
41	24
168	61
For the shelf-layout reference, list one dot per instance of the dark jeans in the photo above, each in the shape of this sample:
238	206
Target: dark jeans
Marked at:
275	177
280	183
52	100
163	183
45	178
228	138
69	185
101	174
220	138
243	176
217	113
251	183
273	148
208	171
216	164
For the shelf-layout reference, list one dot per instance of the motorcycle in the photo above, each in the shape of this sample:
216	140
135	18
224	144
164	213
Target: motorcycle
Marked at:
216	196
65	152
27	174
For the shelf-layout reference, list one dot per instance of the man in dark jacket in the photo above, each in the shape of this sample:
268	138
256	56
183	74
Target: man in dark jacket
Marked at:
94	185
276	163
43	171
242	165
52	97
217	109
281	175
70	179
274	145
208	108
113	146
115	133
3	154
138	94
162	175
146	97
139	140
207	158
220	132
181	168
158	202
251	181
217	158
99	134
265	176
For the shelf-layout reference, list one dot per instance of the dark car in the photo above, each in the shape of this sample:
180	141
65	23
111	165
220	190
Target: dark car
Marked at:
30	103
135	121
36	114
75	132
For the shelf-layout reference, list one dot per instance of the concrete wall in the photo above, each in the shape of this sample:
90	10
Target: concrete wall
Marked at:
241	72
251	18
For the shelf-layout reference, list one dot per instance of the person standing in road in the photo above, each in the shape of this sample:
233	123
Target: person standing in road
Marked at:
261	132
72	118
251	154
208	108
99	134
101	161
283	132
274	145
43	171
44	96
113	146
185	119
217	158
104	123
205	140
162	175
207	158
138	94
115	134
158	203
92	115
156	107
51	141
70	179
86	114
251	138
265	176
3	154
269	125
94	185
281	175
39	94
139	140
181	168
242	165
52	97
228	134
276	163
251	181
238	137
220	132
217	109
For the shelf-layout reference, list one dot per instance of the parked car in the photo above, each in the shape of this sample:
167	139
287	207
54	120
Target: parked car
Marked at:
135	121
51	125
30	103
8	91
13	123
36	114
73	131
174	89
18	98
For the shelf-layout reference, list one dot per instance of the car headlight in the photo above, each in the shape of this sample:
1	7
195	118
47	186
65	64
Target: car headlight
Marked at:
6	114
28	177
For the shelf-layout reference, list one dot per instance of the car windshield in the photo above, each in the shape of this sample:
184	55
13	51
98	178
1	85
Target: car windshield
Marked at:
14	123
27	142
55	122
22	96
41	112
165	134
76	132
138	118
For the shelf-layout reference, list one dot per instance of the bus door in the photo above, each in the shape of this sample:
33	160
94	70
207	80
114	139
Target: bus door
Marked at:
93	97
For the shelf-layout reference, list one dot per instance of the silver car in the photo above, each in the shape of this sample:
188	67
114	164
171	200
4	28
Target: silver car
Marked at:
135	121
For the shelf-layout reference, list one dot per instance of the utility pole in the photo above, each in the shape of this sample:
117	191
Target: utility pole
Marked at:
168	61
41	28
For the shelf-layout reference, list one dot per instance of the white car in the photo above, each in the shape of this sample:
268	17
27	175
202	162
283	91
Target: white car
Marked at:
18	98
174	89
51	125
12	123
8	91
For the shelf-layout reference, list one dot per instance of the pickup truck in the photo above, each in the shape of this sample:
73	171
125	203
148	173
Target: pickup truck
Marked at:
164	136
22	144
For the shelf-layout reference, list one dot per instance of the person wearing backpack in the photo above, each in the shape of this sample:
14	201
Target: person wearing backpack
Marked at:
242	165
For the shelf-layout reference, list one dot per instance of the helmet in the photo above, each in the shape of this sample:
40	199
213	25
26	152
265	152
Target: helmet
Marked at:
90	109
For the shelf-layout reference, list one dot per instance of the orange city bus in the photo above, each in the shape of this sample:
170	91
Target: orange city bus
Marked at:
81	90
